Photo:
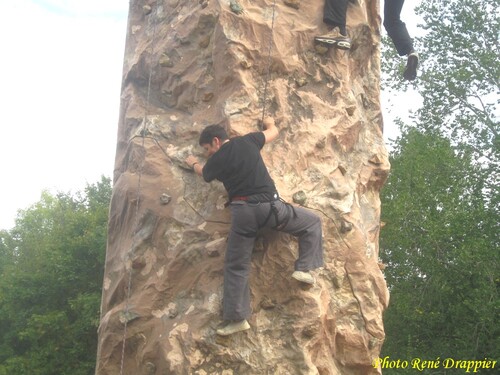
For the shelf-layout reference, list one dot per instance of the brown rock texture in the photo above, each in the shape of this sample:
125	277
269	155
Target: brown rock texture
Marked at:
191	63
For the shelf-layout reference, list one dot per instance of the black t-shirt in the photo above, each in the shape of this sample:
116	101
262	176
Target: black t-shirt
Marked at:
239	166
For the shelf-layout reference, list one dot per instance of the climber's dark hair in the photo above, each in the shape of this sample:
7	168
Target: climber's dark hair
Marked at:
211	132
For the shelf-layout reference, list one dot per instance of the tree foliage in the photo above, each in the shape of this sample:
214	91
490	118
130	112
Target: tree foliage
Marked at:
441	202
441	247
51	270
459	76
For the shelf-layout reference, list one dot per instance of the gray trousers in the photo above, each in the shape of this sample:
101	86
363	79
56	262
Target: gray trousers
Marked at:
246	220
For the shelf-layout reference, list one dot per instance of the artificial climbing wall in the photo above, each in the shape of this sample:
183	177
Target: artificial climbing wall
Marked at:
191	63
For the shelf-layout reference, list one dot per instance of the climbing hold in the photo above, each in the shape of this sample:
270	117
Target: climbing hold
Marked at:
267	303
138	263
342	169
299	197
320	49
345	226
321	143
207	96
173	3
235	7
215	247
127	316
173	312
300	82
150	368
245	64
165	61
204	42
165	198
350	109
292	3
144	132
168	98
146	9
375	159
310	331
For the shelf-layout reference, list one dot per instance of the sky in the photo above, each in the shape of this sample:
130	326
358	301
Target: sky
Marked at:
61	70
61	66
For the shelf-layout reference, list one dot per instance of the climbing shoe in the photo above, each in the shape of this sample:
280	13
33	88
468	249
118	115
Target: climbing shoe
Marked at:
410	72
335	39
303	277
233	327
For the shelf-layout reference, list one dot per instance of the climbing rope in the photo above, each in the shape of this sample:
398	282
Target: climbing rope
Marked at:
266	81
138	197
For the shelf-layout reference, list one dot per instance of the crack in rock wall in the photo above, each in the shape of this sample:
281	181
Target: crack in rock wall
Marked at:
192	63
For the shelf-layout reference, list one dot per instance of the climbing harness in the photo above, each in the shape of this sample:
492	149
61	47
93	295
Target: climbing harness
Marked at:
137	202
268	64
273	210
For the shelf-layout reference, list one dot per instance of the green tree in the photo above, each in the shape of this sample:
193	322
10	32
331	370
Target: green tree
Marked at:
51	271
441	201
441	247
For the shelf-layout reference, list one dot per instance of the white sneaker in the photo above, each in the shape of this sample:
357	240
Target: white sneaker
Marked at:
233	328
303	277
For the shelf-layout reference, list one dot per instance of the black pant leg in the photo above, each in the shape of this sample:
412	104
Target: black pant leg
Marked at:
335	11
396	29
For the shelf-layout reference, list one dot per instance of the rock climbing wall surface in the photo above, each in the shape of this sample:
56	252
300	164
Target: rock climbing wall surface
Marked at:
191	63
